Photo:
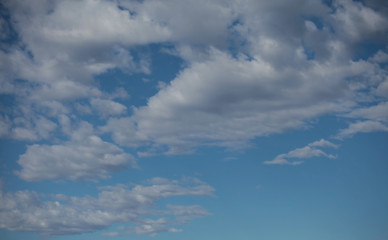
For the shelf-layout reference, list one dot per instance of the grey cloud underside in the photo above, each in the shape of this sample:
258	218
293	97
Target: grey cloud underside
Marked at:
290	63
133	207
241	100
273	85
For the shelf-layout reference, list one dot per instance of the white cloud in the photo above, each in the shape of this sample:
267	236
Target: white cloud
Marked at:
44	127
369	119
279	160
356	21
380	57
217	99
322	143
36	128
120	204
309	151
21	133
224	100
306	152
119	93
5	125
382	89
251	69
64	90
362	127
124	132
110	234
75	24
64	45
377	112
190	22
228	101
107	107
153	227
85	157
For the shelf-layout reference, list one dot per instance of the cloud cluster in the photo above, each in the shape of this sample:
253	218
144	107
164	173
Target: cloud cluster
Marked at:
85	156
250	69
253	69
275	79
229	101
309	151
120	204
280	79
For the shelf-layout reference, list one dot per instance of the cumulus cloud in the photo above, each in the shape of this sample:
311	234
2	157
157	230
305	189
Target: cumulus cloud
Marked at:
280	84
84	157
269	83
81	26
119	204
107	107
60	46
190	22
124	132
36	128
229	101
309	151
356	21
250	69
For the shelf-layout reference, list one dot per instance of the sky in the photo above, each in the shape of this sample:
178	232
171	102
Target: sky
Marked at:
183	119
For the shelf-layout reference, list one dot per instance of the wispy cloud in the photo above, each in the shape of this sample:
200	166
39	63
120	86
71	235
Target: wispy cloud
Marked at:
369	119
309	151
362	127
119	204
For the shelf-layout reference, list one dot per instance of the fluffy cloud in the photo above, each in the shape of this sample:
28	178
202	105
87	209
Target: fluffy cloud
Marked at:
79	39
85	156
309	151
119	204
274	78
250	69
228	101
356	21
124	132
107	107
35	128
279	85
73	25
59	46
189	22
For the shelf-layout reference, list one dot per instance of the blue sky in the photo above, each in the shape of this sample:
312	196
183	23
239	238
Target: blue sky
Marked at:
193	119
